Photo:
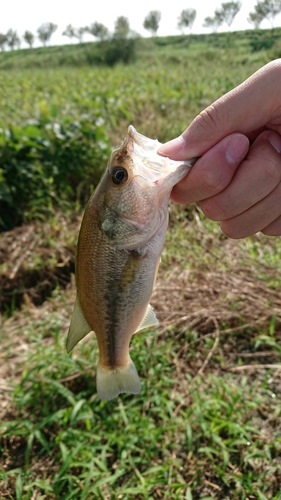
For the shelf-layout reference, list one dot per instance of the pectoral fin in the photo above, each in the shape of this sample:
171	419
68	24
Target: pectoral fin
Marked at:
79	327
148	320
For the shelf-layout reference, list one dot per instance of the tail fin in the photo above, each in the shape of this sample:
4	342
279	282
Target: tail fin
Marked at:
111	383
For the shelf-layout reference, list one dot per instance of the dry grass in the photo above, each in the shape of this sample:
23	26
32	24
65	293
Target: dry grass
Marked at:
220	328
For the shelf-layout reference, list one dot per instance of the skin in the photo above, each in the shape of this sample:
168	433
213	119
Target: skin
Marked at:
237	179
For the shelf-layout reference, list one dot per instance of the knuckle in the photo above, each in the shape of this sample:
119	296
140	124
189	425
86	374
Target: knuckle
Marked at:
268	231
208	210
273	229
207	117
214	181
232	230
213	209
214	117
272	171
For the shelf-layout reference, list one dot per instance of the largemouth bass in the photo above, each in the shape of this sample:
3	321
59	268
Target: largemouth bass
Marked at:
119	247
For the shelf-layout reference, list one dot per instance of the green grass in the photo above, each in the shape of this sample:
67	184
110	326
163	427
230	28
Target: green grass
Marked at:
211	435
207	422
171	78
167	442
56	124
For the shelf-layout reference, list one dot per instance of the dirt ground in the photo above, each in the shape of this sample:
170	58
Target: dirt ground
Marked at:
34	259
228	306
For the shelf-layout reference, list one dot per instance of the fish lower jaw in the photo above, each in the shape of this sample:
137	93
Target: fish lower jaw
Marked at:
112	381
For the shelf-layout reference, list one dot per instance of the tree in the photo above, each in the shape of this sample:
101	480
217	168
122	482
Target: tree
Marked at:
255	19
225	14
80	32
186	19
72	32
69	31
213	22
228	11
45	31
12	39
266	9
122	27
29	38
98	30
152	21
3	41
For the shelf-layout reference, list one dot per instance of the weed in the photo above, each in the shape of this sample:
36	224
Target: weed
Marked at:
207	422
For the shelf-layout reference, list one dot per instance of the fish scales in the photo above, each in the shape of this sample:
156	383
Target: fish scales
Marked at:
114	287
119	247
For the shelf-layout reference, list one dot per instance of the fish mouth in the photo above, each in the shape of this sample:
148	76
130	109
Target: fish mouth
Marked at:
145	151
157	169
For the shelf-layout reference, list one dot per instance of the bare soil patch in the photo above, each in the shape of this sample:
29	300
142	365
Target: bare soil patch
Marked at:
34	259
214	317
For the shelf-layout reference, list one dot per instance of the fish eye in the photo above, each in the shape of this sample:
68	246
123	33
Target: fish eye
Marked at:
119	175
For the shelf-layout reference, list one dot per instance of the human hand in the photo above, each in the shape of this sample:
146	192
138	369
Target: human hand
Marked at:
237	178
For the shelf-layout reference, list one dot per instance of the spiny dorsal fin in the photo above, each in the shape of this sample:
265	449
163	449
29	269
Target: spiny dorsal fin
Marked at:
148	320
79	327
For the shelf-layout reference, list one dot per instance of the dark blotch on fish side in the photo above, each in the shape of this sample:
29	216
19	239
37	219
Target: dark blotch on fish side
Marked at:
108	227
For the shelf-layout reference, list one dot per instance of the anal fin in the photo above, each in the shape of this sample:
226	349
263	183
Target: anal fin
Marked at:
148	320
79	327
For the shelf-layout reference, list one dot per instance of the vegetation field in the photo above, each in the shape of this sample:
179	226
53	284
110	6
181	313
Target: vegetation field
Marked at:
207	424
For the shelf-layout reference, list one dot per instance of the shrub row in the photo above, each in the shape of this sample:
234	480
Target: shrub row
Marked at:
103	53
48	165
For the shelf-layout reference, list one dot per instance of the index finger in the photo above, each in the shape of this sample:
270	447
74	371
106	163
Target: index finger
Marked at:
247	108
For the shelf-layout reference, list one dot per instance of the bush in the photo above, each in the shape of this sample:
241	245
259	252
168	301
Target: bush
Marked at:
46	165
262	43
117	50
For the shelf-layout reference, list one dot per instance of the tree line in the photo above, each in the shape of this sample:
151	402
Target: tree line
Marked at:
225	14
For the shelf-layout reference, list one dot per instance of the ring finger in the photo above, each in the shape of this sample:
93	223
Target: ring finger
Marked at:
259	217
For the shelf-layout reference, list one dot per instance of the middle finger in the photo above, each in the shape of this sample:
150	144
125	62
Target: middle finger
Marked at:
256	177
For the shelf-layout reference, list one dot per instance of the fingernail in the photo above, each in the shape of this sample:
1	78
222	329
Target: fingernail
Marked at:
237	148
172	147
275	141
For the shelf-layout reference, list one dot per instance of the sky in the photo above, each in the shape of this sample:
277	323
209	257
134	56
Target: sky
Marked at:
21	15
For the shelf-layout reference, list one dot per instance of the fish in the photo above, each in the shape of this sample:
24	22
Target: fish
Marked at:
118	253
